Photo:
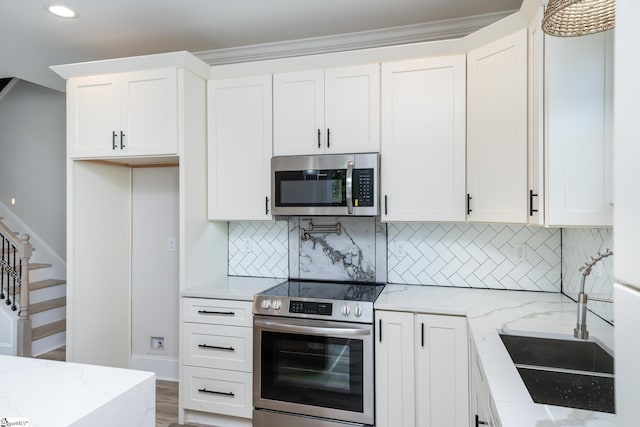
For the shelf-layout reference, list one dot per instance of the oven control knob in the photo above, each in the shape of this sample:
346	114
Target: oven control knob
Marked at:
357	311
266	304
346	310
276	304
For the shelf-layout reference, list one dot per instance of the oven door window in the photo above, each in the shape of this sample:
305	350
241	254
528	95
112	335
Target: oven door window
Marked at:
313	370
311	188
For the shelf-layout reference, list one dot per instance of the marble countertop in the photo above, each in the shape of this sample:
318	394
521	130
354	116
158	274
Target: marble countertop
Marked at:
55	394
488	311
232	287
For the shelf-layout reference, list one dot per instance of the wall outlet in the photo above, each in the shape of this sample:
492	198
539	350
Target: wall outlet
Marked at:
519	253
247	246
157	344
401	252
171	244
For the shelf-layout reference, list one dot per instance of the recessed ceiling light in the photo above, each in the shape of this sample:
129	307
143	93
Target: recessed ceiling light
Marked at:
61	11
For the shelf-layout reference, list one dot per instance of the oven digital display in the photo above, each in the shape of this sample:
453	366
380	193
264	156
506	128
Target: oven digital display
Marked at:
306	307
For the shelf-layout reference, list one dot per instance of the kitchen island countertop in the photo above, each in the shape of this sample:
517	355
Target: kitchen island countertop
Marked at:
49	393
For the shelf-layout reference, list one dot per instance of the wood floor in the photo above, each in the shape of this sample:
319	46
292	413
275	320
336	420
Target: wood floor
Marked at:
166	393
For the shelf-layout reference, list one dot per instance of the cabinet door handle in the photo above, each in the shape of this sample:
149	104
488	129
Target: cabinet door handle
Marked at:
113	140
531	196
480	423
204	390
380	329
121	140
216	347
319	138
224	313
422	334
385	205
266	205
469	203
328	138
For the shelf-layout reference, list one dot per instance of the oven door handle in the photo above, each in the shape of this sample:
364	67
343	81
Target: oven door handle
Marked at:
349	187
314	330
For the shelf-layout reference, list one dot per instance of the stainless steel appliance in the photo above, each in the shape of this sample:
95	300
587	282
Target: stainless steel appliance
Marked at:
335	184
313	354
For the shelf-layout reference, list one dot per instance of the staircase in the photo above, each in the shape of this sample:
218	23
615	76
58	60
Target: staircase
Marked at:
33	313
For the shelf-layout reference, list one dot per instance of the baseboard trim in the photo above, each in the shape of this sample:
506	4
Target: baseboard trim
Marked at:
166	368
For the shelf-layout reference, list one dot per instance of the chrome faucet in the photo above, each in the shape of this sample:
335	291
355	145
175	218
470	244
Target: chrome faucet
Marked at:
581	327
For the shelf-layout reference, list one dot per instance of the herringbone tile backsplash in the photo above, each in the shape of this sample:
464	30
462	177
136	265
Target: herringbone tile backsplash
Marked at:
498	256
578	246
259	248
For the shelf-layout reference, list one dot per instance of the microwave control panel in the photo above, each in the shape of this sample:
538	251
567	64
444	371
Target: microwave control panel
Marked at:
363	191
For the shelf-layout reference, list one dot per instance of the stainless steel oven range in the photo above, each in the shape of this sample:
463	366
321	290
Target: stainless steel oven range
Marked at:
313	354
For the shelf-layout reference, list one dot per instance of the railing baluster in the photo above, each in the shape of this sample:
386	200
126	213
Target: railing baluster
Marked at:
14	279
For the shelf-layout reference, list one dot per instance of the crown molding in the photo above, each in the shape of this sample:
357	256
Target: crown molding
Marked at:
425	32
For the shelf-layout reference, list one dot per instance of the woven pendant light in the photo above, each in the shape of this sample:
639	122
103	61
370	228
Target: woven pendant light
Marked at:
572	18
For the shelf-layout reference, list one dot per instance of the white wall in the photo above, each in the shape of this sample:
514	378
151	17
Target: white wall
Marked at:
154	269
32	160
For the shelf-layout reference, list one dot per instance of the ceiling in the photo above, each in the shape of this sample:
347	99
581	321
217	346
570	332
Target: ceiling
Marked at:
33	39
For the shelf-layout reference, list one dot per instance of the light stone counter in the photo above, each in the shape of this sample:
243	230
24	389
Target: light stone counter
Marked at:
488	311
232	288
56	394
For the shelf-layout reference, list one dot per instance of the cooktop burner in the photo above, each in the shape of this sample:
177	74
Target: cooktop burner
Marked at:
345	301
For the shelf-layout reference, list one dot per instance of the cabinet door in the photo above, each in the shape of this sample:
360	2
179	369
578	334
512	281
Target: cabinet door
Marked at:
423	139
535	136
579	97
395	384
298	113
93	115
239	126
149	111
497	130
442	386
352	109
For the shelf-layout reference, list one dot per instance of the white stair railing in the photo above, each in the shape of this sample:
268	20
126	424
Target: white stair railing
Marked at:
15	252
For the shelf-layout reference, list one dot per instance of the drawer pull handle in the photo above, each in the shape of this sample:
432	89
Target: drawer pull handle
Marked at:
216	347
222	393
480	423
225	313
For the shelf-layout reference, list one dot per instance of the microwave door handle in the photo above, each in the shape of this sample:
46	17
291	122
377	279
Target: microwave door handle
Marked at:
314	330
350	187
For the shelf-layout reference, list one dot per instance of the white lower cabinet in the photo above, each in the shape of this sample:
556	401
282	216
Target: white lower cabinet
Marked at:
217	357
480	406
422	376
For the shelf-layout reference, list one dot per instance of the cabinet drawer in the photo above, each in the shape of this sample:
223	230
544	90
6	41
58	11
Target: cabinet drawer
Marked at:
223	347
218	312
217	391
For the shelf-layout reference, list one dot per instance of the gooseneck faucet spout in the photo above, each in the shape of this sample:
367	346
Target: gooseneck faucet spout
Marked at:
581	327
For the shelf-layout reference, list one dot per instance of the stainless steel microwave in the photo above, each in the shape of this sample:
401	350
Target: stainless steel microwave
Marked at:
332	184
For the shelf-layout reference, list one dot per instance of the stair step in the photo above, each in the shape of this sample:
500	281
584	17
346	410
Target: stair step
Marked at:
47	305
49	329
37	265
42	284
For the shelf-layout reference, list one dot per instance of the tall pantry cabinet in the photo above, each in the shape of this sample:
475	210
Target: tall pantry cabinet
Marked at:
171	97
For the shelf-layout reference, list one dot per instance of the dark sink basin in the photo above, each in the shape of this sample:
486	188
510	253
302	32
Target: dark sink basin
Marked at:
574	374
557	353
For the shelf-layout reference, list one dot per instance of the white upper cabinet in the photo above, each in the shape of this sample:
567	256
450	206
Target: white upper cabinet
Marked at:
535	135
123	115
239	127
327	111
497	130
423	139
579	96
